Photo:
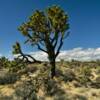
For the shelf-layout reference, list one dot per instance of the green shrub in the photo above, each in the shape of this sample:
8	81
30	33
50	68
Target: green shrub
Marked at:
69	75
98	70
84	80
17	65
98	79
8	78
84	76
86	71
96	83
4	62
26	91
3	97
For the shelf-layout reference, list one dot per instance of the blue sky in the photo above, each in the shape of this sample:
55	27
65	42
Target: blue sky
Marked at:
84	19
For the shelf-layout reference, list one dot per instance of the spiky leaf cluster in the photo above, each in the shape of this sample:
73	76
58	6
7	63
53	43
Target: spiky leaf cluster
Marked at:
37	23
16	48
52	21
58	19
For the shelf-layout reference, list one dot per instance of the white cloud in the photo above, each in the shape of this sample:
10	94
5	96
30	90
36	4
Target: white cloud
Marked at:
76	53
39	55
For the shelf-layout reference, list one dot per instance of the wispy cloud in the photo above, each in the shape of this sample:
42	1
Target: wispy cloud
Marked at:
76	53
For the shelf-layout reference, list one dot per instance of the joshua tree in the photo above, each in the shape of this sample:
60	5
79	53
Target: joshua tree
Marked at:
24	57
47	30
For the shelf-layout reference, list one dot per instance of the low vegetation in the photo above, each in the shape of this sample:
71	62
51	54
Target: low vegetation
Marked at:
73	81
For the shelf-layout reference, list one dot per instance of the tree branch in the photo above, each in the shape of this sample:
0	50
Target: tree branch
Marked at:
26	56
32	58
55	36
61	43
56	41
41	48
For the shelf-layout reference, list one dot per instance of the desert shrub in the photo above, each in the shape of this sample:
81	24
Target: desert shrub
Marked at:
69	75
26	91
84	80
76	84
98	79
16	65
61	97
59	74
84	76
98	70
8	78
96	83
3	97
32	69
50	87
86	71
4	62
98	61
80	97
44	69
43	81
27	70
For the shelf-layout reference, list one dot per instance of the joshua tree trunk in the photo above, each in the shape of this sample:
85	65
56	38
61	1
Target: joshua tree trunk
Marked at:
53	73
52	63
51	55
